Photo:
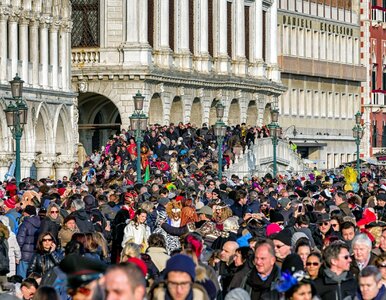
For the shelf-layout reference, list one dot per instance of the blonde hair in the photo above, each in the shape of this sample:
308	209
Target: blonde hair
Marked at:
130	250
101	241
49	208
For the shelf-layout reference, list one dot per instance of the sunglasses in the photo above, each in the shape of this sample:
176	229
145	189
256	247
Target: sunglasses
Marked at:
346	257
324	223
334	225
81	290
54	212
46	240
315	264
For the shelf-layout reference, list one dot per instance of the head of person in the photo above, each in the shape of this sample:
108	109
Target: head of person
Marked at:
157	240
382	243
265	257
228	251
347	229
77	204
241	256
130	250
46	293
380	263
337	257
125	281
140	216
282	242
303	249
70	223
193	245
335	223
370	282
302	290
323	223
28	288
340	197
361	246
180	273
45	242
313	264
53	211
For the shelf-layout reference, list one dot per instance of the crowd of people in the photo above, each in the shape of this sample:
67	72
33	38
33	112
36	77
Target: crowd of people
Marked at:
184	233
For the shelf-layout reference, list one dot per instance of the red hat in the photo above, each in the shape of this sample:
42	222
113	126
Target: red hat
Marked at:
10	203
367	218
139	263
272	229
11	188
179	198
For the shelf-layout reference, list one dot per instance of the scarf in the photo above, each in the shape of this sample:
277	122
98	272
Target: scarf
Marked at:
259	287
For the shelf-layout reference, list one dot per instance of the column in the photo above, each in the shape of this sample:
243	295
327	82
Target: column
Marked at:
43	32
162	53
201	58
54	54
44	165
13	45
3	50
23	48
239	62
63	166
274	73
64	55
136	49
34	51
257	68
182	55
220	54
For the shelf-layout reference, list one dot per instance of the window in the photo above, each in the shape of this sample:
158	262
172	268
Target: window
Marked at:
384	79
374	2
210	27
150	20
229	29
85	18
191	26
374	78
171	25
374	134
246	32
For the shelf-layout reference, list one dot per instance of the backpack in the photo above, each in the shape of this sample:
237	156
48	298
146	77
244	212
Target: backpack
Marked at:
4	259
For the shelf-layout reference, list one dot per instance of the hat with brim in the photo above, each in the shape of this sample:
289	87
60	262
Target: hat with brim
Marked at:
206	210
324	217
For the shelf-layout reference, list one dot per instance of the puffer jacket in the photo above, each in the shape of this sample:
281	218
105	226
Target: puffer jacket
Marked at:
43	262
27	237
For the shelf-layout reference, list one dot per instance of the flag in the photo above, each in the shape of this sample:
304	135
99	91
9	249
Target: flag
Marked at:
11	171
147	174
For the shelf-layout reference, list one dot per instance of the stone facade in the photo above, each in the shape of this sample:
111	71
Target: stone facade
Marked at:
38	37
183	56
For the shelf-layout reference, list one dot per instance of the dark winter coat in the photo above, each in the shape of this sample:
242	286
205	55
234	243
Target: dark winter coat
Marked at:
47	225
43	262
27	237
329	286
82	220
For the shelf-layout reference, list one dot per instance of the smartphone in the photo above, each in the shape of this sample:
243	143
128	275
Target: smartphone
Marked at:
300	208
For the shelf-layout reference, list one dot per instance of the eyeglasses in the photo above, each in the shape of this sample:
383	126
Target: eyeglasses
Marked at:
315	264
54	212
381	265
334	225
184	285
346	257
46	240
279	246
324	223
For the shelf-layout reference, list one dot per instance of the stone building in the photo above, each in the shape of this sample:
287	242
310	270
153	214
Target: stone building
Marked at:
319	56
35	43
183	55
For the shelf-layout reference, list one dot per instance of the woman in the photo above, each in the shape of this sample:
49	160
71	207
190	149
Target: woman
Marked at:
380	263
67	231
297	286
53	220
313	264
303	249
14	253
137	231
47	255
335	223
243	267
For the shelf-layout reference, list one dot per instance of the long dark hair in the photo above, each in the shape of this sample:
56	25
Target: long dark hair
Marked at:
39	246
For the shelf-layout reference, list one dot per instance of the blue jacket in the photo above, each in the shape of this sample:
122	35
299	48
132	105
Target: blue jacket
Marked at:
27	237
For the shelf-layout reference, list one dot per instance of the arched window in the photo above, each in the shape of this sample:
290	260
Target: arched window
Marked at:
85	18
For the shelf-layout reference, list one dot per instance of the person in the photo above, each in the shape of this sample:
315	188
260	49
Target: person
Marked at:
82	219
14	252
362	257
137	231
313	264
157	251
67	231
336	281
28	288
180	275
47	255
46	293
242	266
348	230
370	284
303	249
227	267
282	242
53	220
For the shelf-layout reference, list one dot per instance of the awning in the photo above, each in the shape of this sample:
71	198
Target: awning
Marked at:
314	145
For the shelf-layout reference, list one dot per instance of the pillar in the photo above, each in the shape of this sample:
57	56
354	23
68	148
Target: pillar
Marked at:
44	165
34	51
162	54
220	54
274	73
64	55
44	53
23	48
239	62
13	45
257	68
182	55
201	57
54	55
3	50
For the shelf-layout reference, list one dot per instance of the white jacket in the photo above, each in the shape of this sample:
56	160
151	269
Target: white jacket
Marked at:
136	233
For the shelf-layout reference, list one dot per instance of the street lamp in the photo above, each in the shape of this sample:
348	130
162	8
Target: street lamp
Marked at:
16	115
138	123
357	133
275	131
220	131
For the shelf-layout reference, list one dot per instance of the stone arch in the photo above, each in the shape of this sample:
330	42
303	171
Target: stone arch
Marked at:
62	129
99	118
267	114
252	113
4	132
156	115
212	112
43	130
196	112
177	110
234	113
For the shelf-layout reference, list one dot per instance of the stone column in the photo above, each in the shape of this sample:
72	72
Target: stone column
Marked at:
54	54
44	52
3	50
44	165
136	49
239	62
220	54
274	73
201	57
63	166
182	55
257	68
23	48
34	51
162	52
13	44
64	54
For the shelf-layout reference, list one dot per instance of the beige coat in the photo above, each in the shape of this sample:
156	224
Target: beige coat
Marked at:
159	292
159	256
65	235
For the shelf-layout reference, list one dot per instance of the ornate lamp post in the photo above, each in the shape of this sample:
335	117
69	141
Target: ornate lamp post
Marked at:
16	114
357	133
274	130
138	123
220	131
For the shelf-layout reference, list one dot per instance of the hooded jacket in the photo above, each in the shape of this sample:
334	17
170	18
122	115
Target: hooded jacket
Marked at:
82	221
27	237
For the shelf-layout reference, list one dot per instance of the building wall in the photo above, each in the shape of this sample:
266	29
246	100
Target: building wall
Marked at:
38	36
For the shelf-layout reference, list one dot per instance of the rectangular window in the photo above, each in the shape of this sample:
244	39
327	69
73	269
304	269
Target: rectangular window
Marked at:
374	79
264	33
150	24
374	2
384	80
229	29
85	19
171	24
191	26
246	31
374	135
210	27
383	136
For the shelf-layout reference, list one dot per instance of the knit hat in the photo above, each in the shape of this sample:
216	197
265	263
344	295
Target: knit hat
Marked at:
284	202
30	209
181	263
292	263
283	236
272	229
238	294
275	216
139	263
297	236
163	201
10	203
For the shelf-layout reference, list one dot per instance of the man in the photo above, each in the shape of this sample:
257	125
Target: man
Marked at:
282	242
11	213
240	205
125	282
341	201
82	219
348	230
179	283
227	267
322	230
336	281
370	284
361	246
28	288
259	284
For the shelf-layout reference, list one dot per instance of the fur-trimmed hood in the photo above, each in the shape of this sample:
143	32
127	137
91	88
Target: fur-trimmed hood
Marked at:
4	232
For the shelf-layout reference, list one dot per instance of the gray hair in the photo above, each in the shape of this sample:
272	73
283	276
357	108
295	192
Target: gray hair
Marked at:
362	239
371	271
78	204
